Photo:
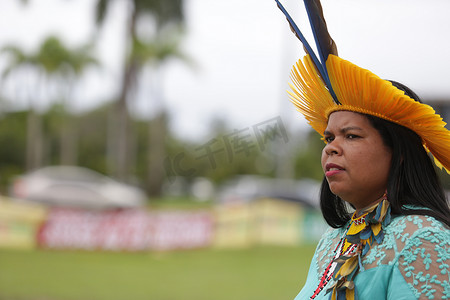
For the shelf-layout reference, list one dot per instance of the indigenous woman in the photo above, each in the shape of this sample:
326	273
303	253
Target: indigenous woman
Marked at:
390	236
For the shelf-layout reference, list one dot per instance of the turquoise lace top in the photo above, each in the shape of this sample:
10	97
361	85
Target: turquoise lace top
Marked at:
412	262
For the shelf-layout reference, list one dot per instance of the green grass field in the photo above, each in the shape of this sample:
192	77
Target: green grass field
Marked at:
247	274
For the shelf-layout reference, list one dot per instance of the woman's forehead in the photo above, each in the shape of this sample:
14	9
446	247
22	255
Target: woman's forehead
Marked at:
347	118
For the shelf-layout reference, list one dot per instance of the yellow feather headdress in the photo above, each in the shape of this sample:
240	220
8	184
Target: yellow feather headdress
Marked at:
334	84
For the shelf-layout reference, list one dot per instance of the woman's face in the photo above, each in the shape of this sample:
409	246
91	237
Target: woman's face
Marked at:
355	160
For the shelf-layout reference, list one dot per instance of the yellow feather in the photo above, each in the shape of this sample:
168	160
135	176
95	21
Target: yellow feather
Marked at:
333	295
376	228
354	229
347	267
350	294
359	90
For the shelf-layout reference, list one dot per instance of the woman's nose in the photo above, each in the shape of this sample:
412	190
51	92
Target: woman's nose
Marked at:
333	148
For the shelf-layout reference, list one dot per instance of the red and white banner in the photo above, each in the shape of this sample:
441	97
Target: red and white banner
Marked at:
181	230
128	230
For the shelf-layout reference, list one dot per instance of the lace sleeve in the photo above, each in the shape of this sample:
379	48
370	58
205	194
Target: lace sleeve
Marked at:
424	262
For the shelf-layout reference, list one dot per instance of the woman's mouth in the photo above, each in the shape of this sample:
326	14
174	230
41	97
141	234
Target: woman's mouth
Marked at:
332	169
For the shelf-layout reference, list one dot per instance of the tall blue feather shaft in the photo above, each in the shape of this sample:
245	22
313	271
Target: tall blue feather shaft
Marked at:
323	53
311	9
321	36
299	34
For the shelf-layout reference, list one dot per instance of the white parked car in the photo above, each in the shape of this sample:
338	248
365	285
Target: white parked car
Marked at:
246	188
71	186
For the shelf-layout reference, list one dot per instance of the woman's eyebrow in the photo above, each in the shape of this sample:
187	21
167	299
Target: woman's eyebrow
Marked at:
343	130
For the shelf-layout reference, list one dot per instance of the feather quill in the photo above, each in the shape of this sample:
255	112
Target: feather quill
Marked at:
302	38
321	37
325	44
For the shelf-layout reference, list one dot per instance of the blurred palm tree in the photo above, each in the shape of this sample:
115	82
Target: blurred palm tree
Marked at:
22	65
54	65
167	16
154	54
69	65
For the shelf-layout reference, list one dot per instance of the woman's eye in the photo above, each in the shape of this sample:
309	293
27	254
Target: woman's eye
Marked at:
352	136
328	139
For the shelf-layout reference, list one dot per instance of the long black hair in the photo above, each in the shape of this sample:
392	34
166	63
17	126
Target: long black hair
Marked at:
413	186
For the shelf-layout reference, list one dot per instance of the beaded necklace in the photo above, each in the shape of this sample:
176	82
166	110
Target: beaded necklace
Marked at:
326	276
359	236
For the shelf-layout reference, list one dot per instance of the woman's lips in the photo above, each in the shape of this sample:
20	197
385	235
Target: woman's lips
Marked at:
332	169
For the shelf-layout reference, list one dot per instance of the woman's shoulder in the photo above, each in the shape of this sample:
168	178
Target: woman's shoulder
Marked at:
405	235
408	230
409	226
424	250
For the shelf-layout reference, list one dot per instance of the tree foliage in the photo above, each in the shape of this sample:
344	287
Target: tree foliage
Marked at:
232	155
